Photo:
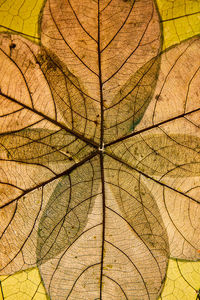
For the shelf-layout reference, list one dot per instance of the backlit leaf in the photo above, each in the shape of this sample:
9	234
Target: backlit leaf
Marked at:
117	68
99	151
180	20
165	150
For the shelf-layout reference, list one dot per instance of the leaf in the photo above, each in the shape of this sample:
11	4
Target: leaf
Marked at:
98	209
21	17
62	224
180	20
127	240
167	152
182	280
32	142
180	275
26	284
117	84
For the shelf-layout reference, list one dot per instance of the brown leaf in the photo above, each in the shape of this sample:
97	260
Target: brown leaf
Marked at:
92	197
110	49
35	150
167	152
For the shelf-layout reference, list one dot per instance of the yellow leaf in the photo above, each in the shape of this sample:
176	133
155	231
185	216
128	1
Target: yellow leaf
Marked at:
21	16
25	285
183	280
180	20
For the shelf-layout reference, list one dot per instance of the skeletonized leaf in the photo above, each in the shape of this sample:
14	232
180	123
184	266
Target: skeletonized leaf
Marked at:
133	239
21	216
80	112
177	90
112	50
167	153
134	209
99	210
160	153
130	103
35	150
25	90
66	213
22	79
42	146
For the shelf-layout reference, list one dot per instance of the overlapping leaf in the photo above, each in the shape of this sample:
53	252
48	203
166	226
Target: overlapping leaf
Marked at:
98	209
34	150
112	50
166	152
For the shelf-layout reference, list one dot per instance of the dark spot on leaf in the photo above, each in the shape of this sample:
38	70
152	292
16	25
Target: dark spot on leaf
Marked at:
51	65
158	97
83	41
12	46
41	58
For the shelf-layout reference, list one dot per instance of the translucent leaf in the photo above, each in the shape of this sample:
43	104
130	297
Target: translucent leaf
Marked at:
117	69
182	280
21	17
180	20
66	214
165	150
23	285
99	151
35	150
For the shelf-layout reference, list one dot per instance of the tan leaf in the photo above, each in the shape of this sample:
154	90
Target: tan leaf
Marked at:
167	153
112	50
135	243
92	197
35	150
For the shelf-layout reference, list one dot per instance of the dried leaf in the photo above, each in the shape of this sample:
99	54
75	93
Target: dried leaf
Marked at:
97	208
112	50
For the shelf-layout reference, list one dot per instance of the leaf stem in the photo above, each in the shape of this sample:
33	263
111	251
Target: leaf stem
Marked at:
103	222
78	135
100	81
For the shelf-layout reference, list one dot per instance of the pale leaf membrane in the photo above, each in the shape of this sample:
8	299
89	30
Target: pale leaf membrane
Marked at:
168	154
131	101
23	216
22	205
159	153
21	78
70	236
180	214
107	48
65	215
28	152
171	162
31	79
136	248
135	241
80	112
177	91
35	150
